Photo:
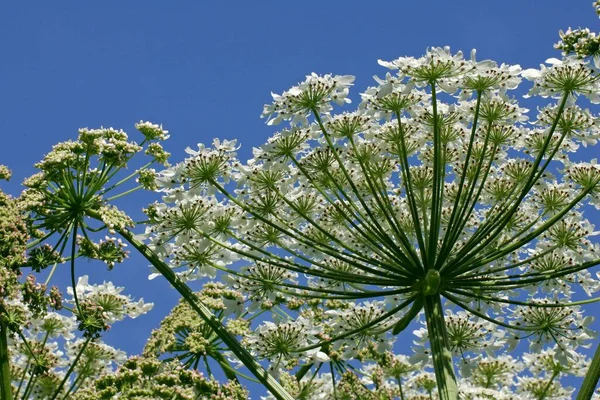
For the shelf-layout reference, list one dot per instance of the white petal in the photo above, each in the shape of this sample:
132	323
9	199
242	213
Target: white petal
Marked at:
387	64
320	356
154	275
345	79
531	74
384	90
553	61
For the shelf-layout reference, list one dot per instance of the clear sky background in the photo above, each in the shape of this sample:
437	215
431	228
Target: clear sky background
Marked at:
205	69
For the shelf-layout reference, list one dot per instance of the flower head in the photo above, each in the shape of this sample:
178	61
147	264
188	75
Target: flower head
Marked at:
314	94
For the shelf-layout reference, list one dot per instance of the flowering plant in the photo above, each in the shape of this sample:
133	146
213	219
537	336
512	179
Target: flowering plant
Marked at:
438	201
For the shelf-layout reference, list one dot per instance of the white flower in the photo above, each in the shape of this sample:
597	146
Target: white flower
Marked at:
96	358
569	75
55	325
152	131
115	306
556	361
467	334
285	343
362	319
314	94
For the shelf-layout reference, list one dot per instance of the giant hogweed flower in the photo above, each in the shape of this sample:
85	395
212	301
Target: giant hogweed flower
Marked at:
414	197
113	305
282	343
183	335
78	178
316	92
148	378
38	366
42	368
395	377
69	200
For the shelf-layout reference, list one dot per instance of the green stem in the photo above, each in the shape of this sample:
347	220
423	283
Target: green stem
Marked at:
116	196
410	197
230	373
361	328
482	315
446	245
128	177
228	369
73	282
440	349
302	371
347	209
438	182
76	382
325	248
5	381
29	386
400	387
591	378
470	202
382	199
71	368
491	228
525	303
281	262
27	365
548	385
380	232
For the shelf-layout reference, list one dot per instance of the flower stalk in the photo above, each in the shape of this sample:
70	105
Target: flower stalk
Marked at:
71	368
586	391
5	381
438	338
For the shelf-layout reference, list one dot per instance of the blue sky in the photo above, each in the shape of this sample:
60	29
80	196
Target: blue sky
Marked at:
204	70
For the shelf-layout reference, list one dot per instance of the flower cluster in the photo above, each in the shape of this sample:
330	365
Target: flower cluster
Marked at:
283	344
114	306
185	334
109	250
440	195
581	42
149	378
74	182
501	377
67	202
438	200
313	95
54	354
